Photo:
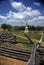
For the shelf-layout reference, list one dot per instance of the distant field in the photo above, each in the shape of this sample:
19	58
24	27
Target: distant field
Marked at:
31	35
20	36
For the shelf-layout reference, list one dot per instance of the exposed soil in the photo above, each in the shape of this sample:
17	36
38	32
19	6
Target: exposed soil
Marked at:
10	61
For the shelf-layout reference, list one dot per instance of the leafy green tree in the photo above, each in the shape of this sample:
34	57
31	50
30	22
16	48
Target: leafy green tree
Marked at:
9	27
6	26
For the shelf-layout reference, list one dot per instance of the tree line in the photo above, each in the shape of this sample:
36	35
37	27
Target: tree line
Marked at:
16	28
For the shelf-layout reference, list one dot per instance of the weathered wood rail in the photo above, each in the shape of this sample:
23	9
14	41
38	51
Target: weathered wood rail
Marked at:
16	53
34	58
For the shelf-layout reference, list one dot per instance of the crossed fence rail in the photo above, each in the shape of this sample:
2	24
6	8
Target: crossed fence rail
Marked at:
34	58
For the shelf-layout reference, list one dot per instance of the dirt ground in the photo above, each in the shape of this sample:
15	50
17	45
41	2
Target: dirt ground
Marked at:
1	29
10	61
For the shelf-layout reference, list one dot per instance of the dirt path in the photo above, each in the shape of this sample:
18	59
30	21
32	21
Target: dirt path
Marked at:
9	61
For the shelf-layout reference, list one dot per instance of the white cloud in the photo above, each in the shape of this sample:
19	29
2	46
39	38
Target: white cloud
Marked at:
21	17
32	13
18	6
2	17
28	8
41	18
37	4
24	14
23	11
35	12
15	15
37	21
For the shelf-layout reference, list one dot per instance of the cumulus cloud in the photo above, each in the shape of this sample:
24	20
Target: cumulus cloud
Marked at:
20	18
37	4
24	14
41	18
37	21
18	6
2	17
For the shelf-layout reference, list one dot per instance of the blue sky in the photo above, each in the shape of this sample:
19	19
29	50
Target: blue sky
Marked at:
18	12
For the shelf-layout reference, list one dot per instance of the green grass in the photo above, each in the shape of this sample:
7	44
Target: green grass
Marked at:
31	35
21	39
20	36
35	36
27	45
18	33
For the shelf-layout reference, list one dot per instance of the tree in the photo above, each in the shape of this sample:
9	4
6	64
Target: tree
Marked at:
9	27
6	26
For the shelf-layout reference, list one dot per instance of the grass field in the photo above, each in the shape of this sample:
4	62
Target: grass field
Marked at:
31	35
20	36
